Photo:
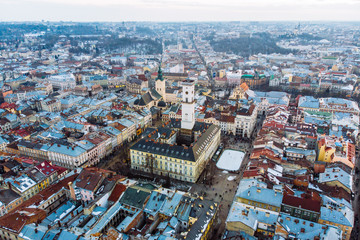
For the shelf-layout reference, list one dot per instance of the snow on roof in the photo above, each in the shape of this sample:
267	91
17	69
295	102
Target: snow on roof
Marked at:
336	174
343	216
262	195
303	229
308	102
22	183
239	213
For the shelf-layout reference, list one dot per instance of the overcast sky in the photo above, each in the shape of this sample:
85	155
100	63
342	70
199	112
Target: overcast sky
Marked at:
179	10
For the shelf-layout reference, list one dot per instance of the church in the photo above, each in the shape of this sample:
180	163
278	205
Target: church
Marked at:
239	92
154	97
178	149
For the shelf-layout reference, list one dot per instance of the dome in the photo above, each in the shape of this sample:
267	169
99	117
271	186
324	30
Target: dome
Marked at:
162	104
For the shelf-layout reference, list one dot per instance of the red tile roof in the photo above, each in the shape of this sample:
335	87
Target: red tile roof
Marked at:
89	180
251	173
15	221
229	119
300	202
244	86
48	168
116	193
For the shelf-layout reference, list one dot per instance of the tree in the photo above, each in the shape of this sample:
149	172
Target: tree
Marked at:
247	46
150	160
168	181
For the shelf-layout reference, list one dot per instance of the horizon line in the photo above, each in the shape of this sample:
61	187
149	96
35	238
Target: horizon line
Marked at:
182	21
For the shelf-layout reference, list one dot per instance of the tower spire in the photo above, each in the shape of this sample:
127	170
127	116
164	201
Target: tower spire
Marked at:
160	74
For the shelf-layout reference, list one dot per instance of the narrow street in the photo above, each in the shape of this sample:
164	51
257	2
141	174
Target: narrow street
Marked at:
208	70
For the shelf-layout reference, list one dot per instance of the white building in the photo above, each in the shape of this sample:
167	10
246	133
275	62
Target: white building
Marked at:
188	105
69	157
245	120
63	81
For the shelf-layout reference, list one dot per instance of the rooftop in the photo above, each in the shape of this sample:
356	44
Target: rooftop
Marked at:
336	174
303	229
21	183
262	195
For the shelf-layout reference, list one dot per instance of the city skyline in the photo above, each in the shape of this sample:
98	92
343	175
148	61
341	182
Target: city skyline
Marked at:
174	10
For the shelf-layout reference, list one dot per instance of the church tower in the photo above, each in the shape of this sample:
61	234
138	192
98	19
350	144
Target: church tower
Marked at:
188	105
160	86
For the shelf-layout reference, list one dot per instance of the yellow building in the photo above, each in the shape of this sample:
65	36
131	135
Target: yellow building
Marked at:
183	156
335	68
333	149
268	199
336	177
222	73
342	218
42	181
179	162
33	150
12	200
325	153
239	92
23	185
241	226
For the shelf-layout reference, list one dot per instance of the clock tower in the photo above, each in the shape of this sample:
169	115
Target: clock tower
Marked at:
188	105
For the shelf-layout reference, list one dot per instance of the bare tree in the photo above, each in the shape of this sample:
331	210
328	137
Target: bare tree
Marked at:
150	160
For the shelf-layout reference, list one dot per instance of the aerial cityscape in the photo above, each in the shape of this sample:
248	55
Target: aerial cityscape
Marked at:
182	129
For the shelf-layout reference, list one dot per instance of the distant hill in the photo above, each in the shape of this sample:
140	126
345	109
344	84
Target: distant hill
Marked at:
247	46
142	46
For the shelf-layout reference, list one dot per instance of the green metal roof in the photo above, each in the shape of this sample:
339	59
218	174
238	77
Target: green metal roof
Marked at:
247	76
316	113
160	74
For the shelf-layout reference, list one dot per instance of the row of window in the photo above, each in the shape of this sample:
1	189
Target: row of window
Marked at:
261	205
166	168
160	157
